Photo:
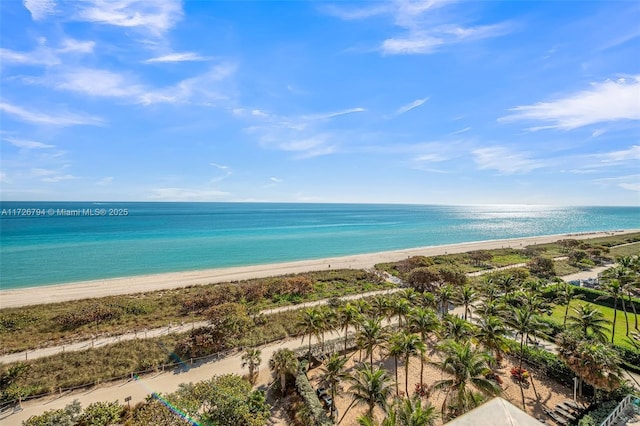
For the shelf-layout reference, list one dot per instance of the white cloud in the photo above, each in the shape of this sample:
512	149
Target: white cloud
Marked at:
40	9
155	16
457	132
95	82
324	116
105	181
275	180
45	55
177	57
632	153
219	166
412	105
186	194
426	41
58	178
629	182
423	30
60	119
504	160
202	88
27	144
4	178
76	46
603	102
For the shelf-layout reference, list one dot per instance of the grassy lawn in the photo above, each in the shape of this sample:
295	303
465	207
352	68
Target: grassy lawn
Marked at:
626	250
562	268
508	259
619	339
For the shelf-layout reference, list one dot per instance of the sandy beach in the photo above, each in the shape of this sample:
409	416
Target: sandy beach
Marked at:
145	283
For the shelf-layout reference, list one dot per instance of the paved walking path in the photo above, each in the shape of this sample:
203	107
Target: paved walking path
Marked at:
161	331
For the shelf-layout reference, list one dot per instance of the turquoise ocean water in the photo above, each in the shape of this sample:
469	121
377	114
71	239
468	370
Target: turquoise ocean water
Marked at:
61	242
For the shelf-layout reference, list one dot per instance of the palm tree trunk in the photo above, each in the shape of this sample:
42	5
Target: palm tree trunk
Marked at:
283	382
521	355
346	327
395	360
633	307
615	314
346	411
566	313
626	318
406	377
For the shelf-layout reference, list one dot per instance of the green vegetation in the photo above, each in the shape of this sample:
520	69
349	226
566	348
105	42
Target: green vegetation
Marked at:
223	400
564	267
31	327
557	316
632	249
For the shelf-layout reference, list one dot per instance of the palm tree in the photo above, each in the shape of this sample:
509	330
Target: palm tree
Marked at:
425	322
329	322
251	358
411	412
410	295
491	308
411	346
332	374
283	362
370	335
466	296
349	315
312	324
456	328
594	362
371	387
467	366
589	321
444	296
565	295
615	288
525	321
400	307
380	306
491	335
395	349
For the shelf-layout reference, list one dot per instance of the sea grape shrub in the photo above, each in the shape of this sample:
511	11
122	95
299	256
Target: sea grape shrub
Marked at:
479	257
424	279
228	322
407	265
94	314
541	267
298	285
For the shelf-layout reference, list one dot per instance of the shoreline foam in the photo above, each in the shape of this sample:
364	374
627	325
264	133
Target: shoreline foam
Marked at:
165	281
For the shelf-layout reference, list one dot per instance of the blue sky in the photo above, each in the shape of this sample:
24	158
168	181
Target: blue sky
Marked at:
431	102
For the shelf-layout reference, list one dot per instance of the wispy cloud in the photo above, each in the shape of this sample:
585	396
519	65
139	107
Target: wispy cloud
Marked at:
411	105
60	119
27	144
305	136
47	55
423	29
630	154
219	166
611	100
275	180
177	57
324	116
504	160
186	194
156	16
40	9
203	88
629	182
105	181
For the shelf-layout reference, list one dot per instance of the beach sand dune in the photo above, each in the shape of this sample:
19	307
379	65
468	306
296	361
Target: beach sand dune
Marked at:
145	283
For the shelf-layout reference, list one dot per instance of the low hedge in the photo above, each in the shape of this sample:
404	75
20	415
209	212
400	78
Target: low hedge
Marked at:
310	398
599	297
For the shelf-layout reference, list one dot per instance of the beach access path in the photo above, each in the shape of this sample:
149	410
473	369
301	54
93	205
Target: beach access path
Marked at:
145	283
